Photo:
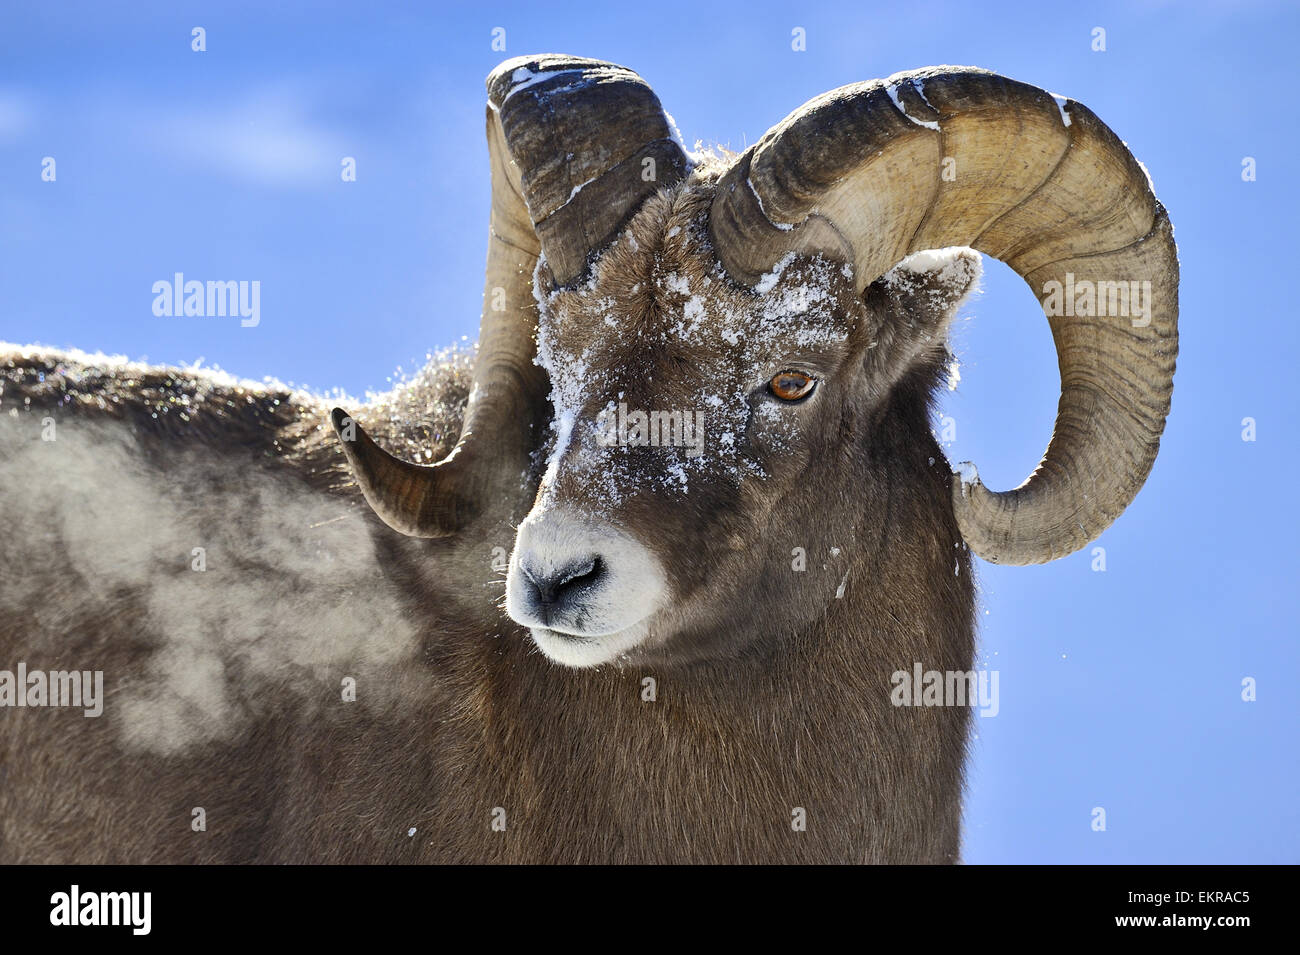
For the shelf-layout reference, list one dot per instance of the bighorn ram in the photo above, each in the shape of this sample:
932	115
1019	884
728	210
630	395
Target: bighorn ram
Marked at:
323	688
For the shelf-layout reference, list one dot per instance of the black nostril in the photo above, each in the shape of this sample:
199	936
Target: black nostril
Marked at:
582	573
557	587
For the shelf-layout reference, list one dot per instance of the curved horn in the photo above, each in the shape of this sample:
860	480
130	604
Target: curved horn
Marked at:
954	156
591	142
575	146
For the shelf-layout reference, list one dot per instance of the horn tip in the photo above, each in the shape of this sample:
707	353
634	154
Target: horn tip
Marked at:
339	419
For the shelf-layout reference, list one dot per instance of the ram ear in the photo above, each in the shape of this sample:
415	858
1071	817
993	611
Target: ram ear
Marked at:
910	308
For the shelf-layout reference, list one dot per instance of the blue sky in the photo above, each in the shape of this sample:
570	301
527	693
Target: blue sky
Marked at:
1119	689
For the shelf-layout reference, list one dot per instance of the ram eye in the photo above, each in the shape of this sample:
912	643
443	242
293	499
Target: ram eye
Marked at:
792	385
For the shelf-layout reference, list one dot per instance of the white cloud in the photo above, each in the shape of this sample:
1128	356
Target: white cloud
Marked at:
268	137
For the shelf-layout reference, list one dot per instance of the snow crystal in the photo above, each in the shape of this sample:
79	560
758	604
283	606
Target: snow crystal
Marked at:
919	86
892	90
694	312
675	282
577	189
946	261
783	226
539	294
1060	105
693	157
523	78
769	279
968	474
120	365
1150	185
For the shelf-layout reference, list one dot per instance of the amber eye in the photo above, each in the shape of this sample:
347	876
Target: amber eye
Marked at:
792	385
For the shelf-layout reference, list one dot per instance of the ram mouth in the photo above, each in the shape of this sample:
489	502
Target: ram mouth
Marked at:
561	635
582	651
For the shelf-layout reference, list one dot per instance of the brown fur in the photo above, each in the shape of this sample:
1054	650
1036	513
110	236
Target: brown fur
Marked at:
772	693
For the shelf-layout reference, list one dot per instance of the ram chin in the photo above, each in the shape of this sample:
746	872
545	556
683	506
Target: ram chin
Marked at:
582	650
